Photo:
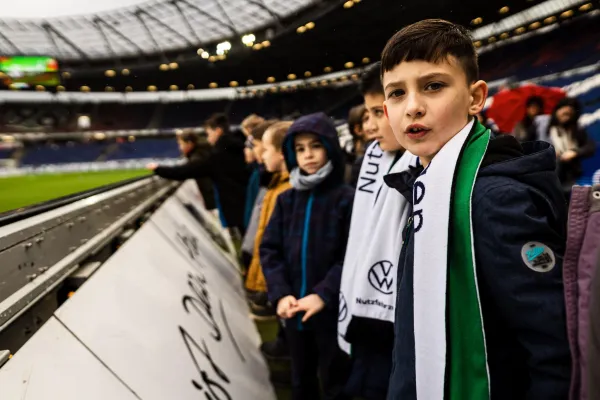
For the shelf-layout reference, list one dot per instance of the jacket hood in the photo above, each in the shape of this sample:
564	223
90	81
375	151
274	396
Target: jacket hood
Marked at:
531	163
320	125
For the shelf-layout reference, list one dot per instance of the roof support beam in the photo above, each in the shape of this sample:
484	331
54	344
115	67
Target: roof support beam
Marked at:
218	3
59	51
138	15
117	32
167	27
109	47
186	21
52	31
230	26
262	5
10	43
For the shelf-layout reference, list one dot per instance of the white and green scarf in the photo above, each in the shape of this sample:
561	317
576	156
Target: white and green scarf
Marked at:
450	351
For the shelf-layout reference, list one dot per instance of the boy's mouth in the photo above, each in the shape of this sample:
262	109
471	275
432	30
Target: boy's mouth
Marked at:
416	131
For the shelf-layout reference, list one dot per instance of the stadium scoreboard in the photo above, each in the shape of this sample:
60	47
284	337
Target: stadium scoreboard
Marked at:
22	72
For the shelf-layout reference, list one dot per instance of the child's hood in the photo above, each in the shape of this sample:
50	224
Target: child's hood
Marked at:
322	126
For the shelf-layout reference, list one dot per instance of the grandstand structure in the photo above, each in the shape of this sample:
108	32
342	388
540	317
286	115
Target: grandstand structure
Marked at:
141	72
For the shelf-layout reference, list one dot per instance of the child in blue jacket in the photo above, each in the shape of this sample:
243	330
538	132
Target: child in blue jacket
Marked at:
302	253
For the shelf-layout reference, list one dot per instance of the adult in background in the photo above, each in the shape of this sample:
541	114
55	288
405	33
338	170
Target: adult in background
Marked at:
523	131
225	166
571	142
356	117
196	149
362	139
248	124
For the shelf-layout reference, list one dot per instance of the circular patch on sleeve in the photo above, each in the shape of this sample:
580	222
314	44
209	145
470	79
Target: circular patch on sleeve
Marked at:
538	257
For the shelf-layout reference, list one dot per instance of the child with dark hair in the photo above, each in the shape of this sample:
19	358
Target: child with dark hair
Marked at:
370	265
302	254
480	310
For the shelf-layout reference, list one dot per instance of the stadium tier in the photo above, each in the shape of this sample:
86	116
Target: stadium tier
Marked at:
77	152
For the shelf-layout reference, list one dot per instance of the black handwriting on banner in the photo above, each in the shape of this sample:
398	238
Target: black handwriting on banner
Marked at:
215	390
200	301
371	168
189	241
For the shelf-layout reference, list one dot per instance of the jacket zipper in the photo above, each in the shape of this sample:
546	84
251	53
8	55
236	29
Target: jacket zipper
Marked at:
307	214
405	237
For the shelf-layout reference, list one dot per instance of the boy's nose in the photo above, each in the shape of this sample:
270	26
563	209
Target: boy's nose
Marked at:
370	126
414	106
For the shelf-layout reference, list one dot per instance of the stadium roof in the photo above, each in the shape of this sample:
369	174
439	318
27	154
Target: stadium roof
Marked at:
74	29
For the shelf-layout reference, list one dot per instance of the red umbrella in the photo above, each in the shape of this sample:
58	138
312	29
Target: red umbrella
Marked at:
508	107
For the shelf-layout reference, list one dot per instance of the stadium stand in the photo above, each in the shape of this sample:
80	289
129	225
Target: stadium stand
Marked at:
77	152
69	152
145	148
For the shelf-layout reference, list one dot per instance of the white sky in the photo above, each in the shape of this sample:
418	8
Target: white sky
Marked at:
59	8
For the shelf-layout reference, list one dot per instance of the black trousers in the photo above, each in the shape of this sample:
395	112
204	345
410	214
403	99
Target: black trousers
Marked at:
370	376
316	355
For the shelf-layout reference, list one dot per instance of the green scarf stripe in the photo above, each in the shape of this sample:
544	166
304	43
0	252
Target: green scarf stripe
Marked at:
466	374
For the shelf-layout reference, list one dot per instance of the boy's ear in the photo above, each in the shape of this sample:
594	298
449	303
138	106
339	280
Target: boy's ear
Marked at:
385	109
479	92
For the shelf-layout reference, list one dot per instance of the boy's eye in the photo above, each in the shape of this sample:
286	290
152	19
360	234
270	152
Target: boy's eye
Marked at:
378	113
434	86
396	93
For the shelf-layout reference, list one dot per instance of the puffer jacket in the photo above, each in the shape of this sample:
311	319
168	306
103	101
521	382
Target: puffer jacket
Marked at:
302	250
516	200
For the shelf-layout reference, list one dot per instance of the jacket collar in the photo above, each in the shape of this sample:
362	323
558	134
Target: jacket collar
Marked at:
404	181
279	179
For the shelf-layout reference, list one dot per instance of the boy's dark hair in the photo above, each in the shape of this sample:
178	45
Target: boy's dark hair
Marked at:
535	101
432	40
218	120
355	117
259	130
278	131
188	136
370	82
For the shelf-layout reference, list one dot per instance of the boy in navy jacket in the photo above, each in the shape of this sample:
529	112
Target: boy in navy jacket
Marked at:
302	253
518	215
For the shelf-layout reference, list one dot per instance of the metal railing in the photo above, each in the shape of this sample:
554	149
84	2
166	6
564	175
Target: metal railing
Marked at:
43	245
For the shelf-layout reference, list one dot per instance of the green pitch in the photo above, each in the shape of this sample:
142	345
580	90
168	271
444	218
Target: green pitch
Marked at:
23	191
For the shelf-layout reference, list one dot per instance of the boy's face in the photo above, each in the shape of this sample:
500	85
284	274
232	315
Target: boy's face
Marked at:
427	104
258	150
213	134
184	147
310	153
272	157
376	124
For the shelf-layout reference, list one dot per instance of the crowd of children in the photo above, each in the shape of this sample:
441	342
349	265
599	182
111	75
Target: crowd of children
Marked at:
434	269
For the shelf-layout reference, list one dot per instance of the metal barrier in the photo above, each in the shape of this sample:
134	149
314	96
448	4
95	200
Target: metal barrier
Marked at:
163	317
41	246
